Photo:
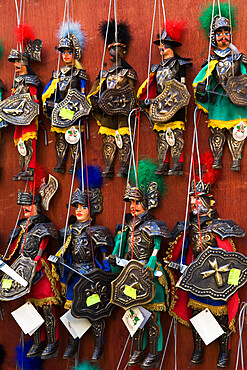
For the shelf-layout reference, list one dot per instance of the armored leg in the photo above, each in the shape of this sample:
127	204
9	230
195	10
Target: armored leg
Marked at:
73	157
29	172
236	148
216	141
197	355
51	349
71	348
162	148
17	177
38	345
61	146
176	152
139	354
153	358
224	355
109	150
98	328
124	155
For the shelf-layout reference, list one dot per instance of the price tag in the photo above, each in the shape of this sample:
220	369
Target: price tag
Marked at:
233	277
93	299
66	113
129	291
6	284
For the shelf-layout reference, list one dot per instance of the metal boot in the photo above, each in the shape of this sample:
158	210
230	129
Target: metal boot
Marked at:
73	148
38	346
29	172
51	350
162	148
98	328
61	147
236	148
153	358
176	151
71	348
109	150
124	155
216	141
197	355
224	339
17	177
139	354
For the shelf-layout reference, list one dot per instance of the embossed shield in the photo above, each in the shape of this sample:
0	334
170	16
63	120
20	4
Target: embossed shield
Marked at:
69	110
25	267
137	278
208	275
118	101
84	304
174	96
236	89
19	109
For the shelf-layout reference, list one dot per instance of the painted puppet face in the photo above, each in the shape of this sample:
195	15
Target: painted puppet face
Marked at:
29	211
223	38
67	56
165	51
138	210
82	213
201	208
115	51
20	68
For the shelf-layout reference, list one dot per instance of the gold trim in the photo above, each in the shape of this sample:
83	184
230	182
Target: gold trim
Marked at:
111	132
216	310
17	244
64	129
225	124
155	306
172	125
57	298
67	304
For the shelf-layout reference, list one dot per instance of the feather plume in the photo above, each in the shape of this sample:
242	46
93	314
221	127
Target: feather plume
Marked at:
145	175
209	174
175	29
123	32
23	361
86	366
206	15
1	49
24	34
39	174
95	179
72	28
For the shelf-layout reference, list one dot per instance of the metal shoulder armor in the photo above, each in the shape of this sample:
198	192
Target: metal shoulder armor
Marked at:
46	229
226	229
13	234
32	80
185	62
131	74
83	74
156	228
101	236
61	234
154	67
104	74
178	229
56	74
243	59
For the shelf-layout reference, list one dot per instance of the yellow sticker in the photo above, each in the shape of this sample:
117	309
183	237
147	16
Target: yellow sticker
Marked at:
92	299
6	284
233	277
66	113
129	291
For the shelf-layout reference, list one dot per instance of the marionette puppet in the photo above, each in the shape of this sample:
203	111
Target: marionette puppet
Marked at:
22	109
84	246
113	97
140	242
219	86
206	233
166	96
29	244
64	98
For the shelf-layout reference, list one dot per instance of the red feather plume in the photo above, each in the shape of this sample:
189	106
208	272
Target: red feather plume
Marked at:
39	175
175	29
24	33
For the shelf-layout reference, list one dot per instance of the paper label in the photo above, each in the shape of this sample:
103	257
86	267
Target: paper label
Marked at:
129	291
119	140
146	315
66	113
28	318
76	327
6	283
233	277
207	326
239	132
92	299
72	135
133	319
22	148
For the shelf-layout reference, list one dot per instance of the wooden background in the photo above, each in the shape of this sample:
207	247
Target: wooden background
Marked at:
230	191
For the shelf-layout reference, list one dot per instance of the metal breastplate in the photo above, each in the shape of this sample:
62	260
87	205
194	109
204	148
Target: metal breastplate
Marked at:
226	68
21	87
208	239
31	247
143	245
115	81
166	73
81	247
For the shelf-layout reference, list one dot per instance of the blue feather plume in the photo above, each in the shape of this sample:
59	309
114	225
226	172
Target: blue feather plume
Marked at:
86	366
75	28
23	361
95	179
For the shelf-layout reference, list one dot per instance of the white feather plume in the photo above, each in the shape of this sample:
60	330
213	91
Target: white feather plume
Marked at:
75	28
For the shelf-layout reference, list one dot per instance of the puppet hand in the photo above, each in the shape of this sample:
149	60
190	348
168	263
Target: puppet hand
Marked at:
112	260
201	93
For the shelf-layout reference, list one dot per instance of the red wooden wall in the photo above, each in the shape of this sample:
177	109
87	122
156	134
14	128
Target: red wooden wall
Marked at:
230	191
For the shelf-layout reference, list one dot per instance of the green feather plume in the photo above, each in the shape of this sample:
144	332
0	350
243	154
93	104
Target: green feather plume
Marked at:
206	15
1	49
145	174
86	366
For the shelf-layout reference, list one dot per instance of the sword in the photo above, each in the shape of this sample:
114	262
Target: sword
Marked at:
55	259
12	273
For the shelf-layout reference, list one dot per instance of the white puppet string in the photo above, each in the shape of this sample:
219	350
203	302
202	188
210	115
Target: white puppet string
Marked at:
240	351
13	233
167	340
119	363
219	8
210	40
175	344
103	57
116	38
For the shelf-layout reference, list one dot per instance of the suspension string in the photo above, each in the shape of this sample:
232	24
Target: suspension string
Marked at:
116	38
164	13
119	363
81	153
219	8
210	40
103	57
131	140
175	343
150	47
137	155
69	205
230	19
198	216
240	351
167	340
